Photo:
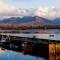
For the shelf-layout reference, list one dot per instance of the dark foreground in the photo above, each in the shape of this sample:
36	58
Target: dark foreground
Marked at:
13	55
37	50
30	50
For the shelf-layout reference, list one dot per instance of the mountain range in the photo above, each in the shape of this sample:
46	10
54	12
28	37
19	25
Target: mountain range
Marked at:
35	20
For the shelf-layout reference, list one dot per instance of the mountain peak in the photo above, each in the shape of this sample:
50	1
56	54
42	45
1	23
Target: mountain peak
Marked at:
34	20
57	21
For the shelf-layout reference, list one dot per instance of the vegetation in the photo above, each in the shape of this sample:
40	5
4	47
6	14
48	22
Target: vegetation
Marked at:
23	27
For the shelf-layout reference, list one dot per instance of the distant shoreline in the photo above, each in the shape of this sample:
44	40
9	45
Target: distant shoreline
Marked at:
25	27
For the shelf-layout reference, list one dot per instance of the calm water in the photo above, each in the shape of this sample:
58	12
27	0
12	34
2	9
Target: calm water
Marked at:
48	31
12	55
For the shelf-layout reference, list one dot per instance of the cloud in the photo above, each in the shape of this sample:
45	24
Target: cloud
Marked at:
6	9
42	11
10	10
53	12
25	12
46	12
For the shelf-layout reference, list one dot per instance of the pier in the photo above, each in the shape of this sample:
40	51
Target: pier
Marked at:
34	38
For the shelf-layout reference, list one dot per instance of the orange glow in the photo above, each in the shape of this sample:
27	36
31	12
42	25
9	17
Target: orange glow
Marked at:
52	51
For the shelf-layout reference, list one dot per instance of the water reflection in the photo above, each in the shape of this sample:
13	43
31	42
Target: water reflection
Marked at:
18	48
54	51
2	50
47	31
12	55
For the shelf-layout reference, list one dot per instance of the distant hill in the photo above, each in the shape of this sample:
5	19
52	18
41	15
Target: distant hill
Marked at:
27	20
17	20
57	21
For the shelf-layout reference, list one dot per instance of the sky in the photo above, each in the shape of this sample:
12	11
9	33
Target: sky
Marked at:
43	8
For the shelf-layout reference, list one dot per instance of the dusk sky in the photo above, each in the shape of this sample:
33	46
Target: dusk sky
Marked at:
44	8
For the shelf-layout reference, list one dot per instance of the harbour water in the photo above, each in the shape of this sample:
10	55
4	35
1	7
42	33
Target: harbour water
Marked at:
54	51
10	54
46	31
13	55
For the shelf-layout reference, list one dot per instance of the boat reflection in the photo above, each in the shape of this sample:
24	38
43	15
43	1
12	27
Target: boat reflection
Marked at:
54	51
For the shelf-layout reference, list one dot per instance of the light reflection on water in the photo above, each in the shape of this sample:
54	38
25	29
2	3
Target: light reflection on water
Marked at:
47	31
54	51
12	55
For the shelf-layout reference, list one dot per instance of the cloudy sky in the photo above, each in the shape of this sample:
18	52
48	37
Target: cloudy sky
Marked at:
44	8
